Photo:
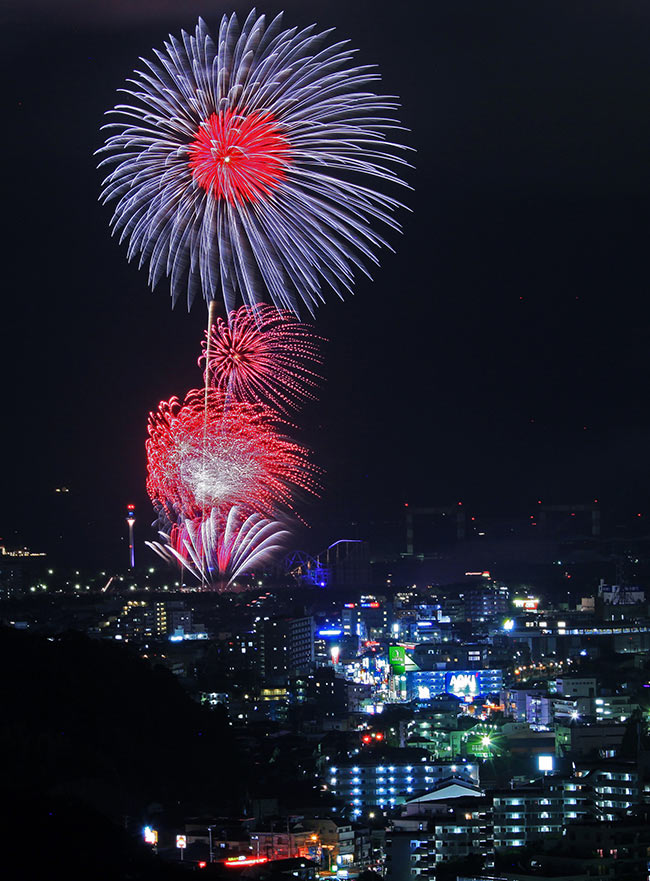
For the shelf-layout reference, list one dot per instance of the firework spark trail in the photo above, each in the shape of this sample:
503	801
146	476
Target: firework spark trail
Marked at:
248	165
242	459
216	550
264	356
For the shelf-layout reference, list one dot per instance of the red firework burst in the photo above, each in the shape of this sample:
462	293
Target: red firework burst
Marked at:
239	157
264	356
200	459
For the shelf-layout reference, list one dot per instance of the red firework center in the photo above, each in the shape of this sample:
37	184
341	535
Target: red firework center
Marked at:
239	157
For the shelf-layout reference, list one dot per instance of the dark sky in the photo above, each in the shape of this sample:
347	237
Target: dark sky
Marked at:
500	356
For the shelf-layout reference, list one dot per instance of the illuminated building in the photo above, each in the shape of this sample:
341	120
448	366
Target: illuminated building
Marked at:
281	844
566	638
527	814
483	602
413	629
359	695
604	790
441	712
12	579
390	777
285	646
539	710
429	833
141	620
467	685
337	838
470	655
574	686
481	740
614	787
240	651
516	700
618	707
161	618
367	619
16	567
275	702
329	643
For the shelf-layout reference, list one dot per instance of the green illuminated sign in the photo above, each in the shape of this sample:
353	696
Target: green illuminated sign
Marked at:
399	661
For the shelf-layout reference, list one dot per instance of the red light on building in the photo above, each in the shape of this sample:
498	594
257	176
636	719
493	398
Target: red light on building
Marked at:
366	738
379	736
202	864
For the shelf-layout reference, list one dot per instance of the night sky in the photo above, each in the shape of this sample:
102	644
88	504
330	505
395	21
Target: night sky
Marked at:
499	356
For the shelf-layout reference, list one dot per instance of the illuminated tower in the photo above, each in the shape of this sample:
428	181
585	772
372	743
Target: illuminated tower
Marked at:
130	519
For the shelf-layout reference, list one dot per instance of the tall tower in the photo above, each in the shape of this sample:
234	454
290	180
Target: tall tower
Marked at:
130	519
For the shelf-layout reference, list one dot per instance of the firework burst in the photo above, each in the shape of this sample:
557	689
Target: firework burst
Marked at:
249	163
216	550
207	453
264	356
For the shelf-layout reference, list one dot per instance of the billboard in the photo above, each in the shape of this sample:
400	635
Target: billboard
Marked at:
399	661
463	683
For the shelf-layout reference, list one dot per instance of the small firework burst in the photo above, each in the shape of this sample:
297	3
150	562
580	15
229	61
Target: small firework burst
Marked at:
264	356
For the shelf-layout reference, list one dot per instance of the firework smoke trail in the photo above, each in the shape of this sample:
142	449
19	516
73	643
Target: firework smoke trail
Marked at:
248	164
264	356
226	547
242	460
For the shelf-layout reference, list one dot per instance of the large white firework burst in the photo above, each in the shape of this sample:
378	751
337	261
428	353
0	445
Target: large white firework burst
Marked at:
247	166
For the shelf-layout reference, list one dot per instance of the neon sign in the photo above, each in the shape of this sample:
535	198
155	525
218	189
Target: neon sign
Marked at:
463	684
